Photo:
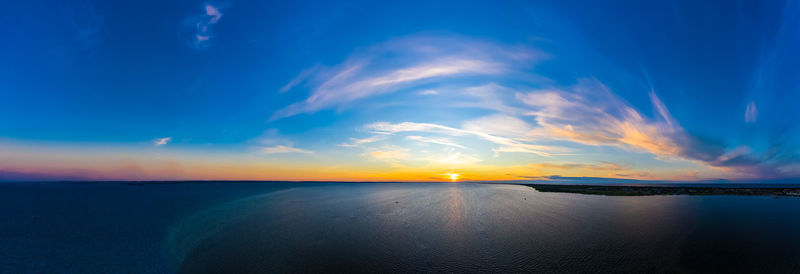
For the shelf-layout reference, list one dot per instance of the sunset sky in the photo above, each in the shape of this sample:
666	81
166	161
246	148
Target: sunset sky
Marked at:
399	91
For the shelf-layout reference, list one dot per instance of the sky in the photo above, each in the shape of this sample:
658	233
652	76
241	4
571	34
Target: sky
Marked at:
399	90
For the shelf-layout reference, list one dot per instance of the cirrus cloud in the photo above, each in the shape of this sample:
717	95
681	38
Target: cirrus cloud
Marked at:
508	144
203	23
162	141
751	113
401	63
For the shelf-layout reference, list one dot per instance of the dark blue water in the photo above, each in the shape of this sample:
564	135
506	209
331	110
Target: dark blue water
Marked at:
290	227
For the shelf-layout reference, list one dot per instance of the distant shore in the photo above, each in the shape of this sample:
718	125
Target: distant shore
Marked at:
665	190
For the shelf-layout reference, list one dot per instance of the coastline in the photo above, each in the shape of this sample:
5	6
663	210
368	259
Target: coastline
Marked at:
608	190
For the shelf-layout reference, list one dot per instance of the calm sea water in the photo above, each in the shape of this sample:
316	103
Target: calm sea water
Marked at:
392	227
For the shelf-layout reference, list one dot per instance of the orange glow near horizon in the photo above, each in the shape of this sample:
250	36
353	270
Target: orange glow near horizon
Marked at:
103	162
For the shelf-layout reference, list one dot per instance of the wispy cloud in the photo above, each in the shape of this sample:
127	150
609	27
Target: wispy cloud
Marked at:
440	141
300	78
162	141
273	142
458	158
508	144
501	125
490	96
400	63
590	114
354	142
751	113
428	92
204	24
280	149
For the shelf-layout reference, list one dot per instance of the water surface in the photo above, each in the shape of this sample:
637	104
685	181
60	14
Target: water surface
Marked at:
406	227
506	228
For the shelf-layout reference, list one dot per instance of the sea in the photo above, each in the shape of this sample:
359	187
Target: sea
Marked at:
280	227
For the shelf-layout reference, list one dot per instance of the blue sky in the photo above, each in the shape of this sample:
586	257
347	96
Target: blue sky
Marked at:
675	90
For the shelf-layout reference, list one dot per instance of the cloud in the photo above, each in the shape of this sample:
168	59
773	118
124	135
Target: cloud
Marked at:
214	13
354	142
457	159
162	141
590	114
428	92
508	144
751	113
280	149
440	141
403	63
203	24
273	142
300	78
501	125
490	96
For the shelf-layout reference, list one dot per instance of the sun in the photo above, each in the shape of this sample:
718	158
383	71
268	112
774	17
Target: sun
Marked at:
452	176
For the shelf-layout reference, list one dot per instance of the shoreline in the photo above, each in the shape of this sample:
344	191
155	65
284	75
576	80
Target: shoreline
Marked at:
607	190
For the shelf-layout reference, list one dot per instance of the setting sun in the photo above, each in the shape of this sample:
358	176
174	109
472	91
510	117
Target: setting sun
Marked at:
452	176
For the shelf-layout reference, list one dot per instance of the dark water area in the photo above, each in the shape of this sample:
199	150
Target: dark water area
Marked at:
393	227
101	227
